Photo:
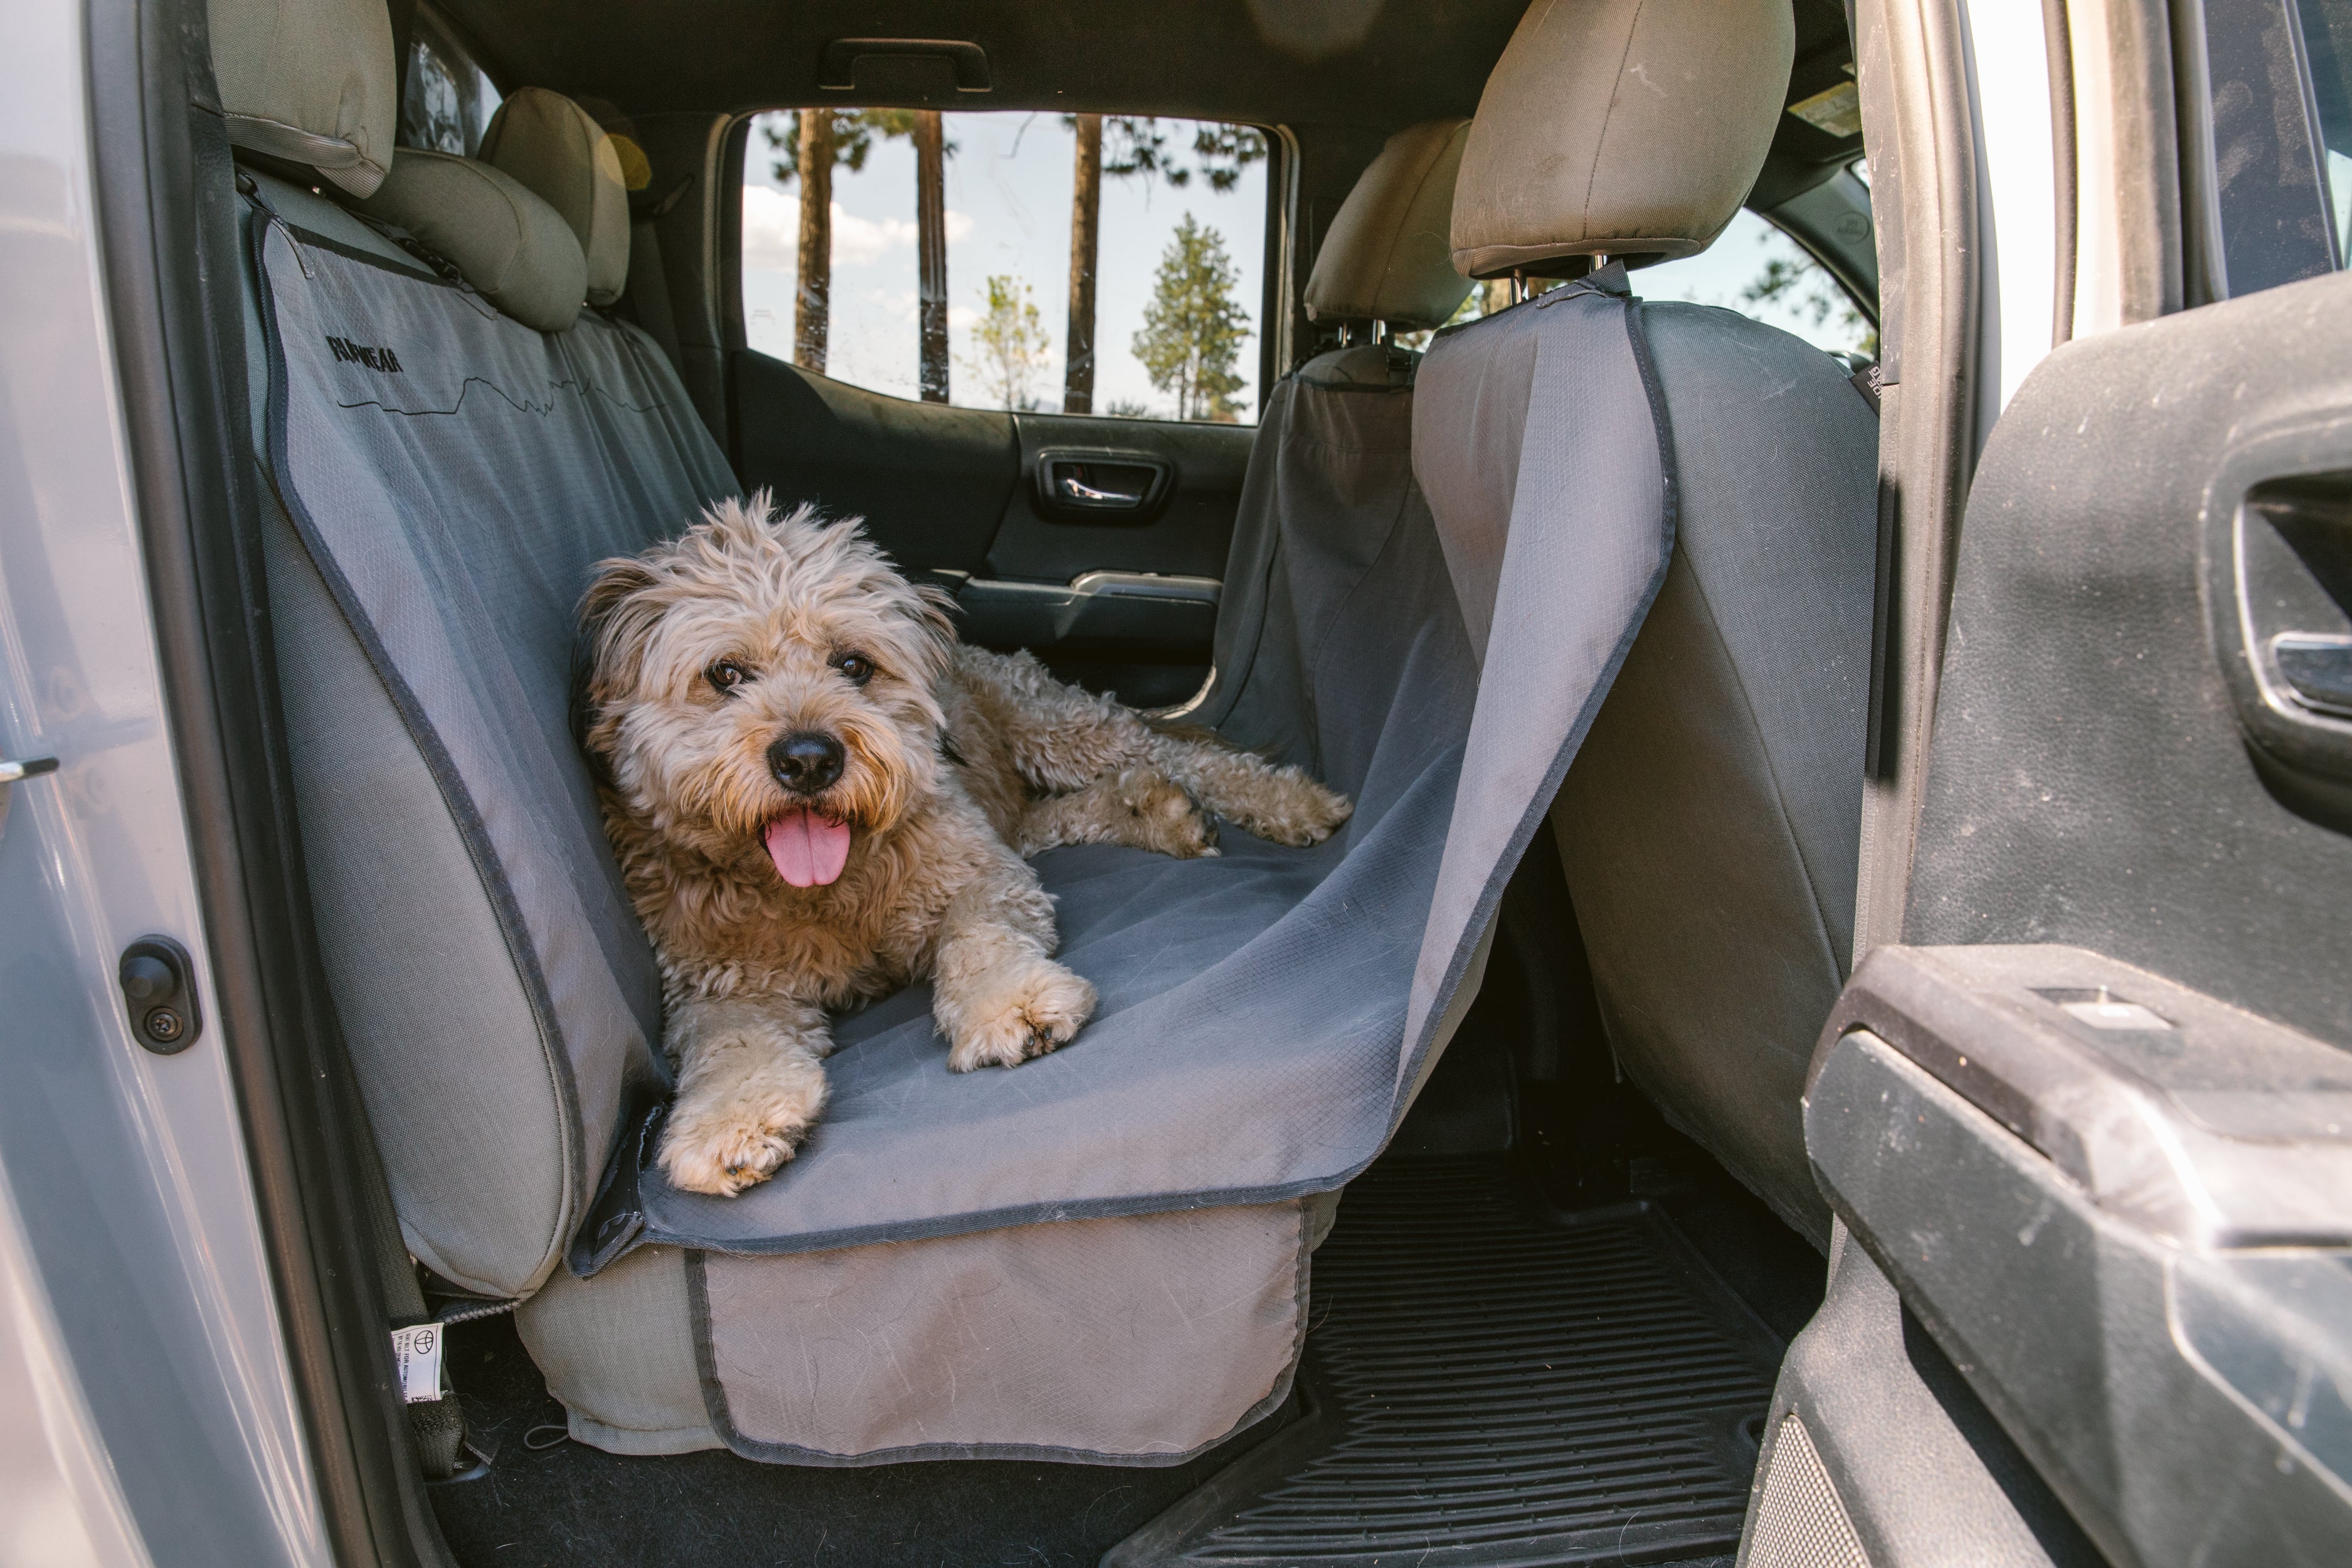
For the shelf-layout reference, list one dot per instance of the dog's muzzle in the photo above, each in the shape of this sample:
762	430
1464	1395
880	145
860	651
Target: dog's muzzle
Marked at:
806	763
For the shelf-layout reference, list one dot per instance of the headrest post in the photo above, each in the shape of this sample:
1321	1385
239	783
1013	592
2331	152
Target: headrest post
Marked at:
1518	286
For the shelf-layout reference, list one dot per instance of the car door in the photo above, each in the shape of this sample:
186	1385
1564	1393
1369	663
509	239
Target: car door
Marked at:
2085	1115
1083	517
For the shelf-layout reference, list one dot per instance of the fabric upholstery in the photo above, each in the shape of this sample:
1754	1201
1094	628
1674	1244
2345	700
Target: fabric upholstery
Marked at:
422	979
1150	1195
556	150
1619	127
619	1351
453	475
1231	1059
1265	1015
1329	488
512	248
1387	256
1710	826
839	1355
311	81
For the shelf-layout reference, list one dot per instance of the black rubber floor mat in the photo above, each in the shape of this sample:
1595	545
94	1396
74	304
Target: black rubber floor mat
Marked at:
1490	1384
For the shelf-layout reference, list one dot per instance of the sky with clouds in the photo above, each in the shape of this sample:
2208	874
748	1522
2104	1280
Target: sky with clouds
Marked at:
1008	213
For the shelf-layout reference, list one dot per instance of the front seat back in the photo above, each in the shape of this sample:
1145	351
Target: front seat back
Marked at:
1709	823
1330	484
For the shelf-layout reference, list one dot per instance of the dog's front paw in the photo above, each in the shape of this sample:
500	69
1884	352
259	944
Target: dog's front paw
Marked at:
723	1148
1037	1005
1294	809
1162	814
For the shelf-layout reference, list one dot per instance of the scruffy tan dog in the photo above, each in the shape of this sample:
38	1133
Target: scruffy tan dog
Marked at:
818	796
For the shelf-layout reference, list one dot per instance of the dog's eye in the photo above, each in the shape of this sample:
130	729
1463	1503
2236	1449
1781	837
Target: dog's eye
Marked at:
856	666
726	676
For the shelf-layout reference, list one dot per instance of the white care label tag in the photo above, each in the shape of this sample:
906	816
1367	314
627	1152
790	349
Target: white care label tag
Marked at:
416	1351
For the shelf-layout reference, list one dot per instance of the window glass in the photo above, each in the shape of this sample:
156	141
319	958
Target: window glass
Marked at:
1752	268
1169	293
1758	270
448	101
2280	78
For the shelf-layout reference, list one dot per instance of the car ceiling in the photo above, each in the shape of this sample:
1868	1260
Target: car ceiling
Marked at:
1375	64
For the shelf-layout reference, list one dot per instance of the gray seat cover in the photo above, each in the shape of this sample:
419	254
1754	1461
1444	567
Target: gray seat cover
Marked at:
1264	1015
453	475
1254	1010
1262	1012
1711	826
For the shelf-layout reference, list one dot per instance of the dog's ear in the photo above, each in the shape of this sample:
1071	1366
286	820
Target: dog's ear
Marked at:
933	610
616	619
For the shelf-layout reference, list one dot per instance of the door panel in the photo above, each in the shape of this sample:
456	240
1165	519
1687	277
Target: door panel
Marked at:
2108	1169
2123	1209
1096	543
2094	778
930	481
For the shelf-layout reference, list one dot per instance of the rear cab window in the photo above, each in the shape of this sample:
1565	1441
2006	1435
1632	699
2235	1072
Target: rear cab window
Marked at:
446	99
1161	316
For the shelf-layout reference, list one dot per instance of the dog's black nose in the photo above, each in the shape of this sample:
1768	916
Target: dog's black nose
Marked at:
805	761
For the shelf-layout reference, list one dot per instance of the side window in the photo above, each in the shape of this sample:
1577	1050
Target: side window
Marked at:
447	99
1758	270
2279	109
1102	264
1752	267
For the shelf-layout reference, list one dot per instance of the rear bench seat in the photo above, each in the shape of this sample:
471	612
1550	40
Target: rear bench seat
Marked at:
1102	1256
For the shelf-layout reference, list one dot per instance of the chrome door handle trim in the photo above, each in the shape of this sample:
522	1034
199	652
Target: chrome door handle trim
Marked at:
2318	671
1077	491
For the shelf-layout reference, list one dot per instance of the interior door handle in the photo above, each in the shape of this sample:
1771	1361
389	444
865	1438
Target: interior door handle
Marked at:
2318	671
1081	484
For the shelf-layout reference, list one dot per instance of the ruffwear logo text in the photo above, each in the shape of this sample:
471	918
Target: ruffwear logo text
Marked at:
376	359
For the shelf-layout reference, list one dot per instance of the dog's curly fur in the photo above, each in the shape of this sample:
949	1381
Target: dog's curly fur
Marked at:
955	763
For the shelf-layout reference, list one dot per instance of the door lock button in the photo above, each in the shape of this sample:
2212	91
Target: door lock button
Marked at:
159	989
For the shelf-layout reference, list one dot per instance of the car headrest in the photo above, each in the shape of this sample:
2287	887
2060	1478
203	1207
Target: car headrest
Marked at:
310	82
1387	258
515	249
559	151
1630	128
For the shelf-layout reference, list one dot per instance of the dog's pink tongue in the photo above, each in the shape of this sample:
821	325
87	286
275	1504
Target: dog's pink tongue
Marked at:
808	849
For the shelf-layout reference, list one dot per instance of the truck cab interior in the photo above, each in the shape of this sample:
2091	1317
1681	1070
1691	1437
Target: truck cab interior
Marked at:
1497	410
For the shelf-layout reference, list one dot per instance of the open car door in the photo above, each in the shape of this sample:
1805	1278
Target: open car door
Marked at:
2086	1116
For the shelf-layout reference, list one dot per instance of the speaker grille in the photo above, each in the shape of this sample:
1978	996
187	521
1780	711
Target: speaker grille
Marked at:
1800	1523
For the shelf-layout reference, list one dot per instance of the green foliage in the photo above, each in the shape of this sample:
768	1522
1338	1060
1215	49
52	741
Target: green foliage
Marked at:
1138	146
1009	344
855	131
1194	329
1799	284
